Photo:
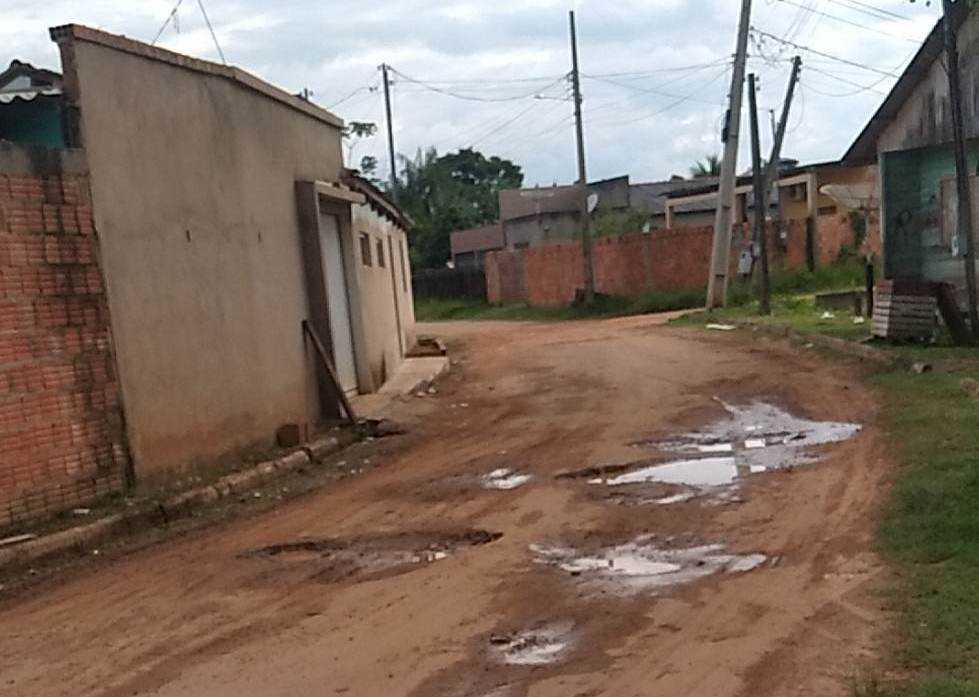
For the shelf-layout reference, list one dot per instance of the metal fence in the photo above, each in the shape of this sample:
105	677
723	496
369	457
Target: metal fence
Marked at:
449	283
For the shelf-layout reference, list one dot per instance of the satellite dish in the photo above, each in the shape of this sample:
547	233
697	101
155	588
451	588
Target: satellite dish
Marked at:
592	202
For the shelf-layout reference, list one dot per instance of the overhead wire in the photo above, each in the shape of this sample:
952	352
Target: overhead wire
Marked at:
800	47
475	98
368	88
214	37
861	87
851	23
870	10
166	22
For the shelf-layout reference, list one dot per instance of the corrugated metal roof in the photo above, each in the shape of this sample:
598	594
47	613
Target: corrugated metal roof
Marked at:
28	95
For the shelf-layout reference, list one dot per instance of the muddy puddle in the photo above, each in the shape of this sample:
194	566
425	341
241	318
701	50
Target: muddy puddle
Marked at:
646	564
504	479
749	440
533	647
329	560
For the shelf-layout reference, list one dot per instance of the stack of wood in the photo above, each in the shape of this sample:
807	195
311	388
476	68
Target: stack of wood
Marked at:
904	309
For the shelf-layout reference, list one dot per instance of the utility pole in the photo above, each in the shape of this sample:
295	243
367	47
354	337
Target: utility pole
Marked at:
720	254
772	171
963	187
773	161
586	246
387	110
761	200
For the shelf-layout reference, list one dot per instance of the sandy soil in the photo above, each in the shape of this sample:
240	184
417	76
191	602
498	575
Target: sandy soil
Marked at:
387	584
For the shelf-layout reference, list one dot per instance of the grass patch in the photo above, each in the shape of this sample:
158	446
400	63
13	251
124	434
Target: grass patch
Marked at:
439	309
931	529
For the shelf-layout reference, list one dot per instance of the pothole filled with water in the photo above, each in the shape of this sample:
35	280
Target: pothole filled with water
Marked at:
504	479
751	439
331	560
533	647
645	564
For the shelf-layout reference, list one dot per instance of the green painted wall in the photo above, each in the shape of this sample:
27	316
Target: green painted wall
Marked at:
912	212
37	122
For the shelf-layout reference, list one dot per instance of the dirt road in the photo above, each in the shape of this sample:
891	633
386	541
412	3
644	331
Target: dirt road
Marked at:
427	577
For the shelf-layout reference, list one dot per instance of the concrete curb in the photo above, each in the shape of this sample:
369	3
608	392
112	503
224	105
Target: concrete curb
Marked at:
161	513
842	346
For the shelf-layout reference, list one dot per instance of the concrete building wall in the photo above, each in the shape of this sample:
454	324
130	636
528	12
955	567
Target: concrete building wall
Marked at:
925	118
62	442
383	313
193	188
536	230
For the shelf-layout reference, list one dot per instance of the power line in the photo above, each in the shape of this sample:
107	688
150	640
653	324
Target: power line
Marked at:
820	53
200	4
672	105
645	90
850	22
166	23
656	71
871	10
433	88
368	88
172	17
503	125
862	88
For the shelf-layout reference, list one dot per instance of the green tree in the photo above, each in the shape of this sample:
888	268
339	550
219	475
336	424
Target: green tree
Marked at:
451	192
710	166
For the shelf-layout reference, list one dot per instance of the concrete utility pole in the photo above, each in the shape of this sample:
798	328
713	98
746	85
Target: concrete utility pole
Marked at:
963	187
387	110
773	162
761	200
720	254
586	246
772	173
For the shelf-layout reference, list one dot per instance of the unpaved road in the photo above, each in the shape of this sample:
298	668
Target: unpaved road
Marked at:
401	595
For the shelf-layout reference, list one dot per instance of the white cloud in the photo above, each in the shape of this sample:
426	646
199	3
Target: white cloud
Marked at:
334	47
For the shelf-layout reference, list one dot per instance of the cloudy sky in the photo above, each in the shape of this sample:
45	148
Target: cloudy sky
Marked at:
490	74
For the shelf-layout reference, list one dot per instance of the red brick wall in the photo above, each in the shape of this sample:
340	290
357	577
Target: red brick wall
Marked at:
62	440
627	265
505	282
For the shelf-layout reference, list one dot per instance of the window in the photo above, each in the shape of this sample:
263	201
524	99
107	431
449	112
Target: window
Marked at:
365	249
380	253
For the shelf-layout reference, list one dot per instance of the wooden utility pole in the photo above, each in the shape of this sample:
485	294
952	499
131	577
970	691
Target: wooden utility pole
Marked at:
387	110
761	200
721	252
963	186
586	246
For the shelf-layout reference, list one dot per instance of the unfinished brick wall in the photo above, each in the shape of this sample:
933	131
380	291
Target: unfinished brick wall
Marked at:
627	265
62	440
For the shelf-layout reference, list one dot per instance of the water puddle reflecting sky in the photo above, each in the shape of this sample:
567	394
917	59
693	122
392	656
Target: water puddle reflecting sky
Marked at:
750	439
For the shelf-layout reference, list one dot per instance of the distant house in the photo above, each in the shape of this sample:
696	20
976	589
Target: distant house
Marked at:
540	215
908	140
160	266
469	247
802	193
655	196
30	101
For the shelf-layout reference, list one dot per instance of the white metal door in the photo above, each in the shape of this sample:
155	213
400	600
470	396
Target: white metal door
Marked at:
337	302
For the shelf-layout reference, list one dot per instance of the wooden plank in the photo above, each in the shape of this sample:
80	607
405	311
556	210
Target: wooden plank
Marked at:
330	370
952	315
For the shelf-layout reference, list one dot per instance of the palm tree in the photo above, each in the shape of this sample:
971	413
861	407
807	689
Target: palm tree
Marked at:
710	166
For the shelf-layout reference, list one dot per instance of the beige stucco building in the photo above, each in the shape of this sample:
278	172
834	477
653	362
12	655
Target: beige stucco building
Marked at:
222	219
